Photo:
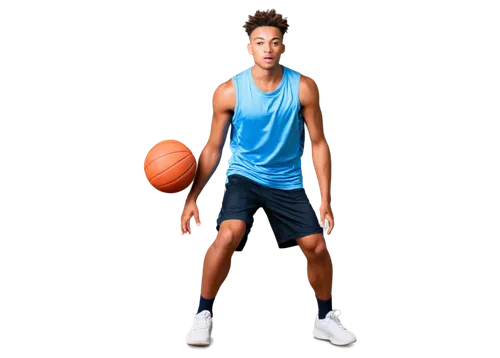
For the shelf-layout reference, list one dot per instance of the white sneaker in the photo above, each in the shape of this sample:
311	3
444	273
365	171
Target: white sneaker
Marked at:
332	330
199	334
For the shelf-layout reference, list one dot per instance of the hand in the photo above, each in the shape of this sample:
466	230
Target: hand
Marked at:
325	211
190	209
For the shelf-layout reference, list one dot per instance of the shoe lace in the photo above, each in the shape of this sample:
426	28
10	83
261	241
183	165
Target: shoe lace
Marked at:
334	316
201	322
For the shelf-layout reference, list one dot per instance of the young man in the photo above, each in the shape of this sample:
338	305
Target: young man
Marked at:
266	105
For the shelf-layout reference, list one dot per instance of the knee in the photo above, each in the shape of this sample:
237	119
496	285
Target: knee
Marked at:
228	238
225	239
320	252
316	251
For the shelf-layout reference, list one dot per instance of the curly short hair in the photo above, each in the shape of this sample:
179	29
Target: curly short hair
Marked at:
266	18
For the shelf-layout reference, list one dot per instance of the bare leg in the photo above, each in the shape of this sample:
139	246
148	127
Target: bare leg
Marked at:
319	264
218	257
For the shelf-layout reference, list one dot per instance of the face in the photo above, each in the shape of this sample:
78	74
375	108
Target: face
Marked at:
266	46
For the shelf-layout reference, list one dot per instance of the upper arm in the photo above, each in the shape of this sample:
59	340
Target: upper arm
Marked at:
309	100
223	105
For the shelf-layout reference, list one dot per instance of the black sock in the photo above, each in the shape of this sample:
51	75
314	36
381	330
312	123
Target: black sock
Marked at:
324	307
206	305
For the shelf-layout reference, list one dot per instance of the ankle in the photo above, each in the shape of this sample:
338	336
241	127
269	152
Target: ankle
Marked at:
206	305
324	306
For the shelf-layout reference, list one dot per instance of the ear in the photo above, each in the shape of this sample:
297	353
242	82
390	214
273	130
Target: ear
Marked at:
283	49
248	49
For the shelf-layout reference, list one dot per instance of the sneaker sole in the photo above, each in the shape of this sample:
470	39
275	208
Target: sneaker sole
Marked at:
348	345
200	344
318	334
321	336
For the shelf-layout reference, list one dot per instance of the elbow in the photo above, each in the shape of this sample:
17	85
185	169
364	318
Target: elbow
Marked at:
212	150
318	143
321	151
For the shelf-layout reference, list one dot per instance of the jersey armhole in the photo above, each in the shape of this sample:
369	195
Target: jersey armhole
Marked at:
236	104
299	106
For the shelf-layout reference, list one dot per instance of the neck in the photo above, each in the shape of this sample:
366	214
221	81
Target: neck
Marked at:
267	75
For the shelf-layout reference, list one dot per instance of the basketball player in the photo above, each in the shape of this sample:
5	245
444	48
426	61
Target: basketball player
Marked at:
266	107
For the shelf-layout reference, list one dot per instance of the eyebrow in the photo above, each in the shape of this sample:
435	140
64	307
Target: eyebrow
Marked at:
274	38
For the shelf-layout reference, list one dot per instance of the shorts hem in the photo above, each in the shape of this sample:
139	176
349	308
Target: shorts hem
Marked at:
233	218
292	240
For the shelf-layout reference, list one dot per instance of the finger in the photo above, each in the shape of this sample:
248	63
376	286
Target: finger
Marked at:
186	226
189	226
198	222
185	223
330	224
183	227
322	222
197	218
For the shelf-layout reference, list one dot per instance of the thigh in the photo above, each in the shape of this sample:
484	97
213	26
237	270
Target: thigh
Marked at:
291	216
239	201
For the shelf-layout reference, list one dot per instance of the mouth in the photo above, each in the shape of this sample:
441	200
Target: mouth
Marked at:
268	58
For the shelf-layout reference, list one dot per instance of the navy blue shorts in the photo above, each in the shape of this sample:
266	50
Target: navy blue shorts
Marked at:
289	212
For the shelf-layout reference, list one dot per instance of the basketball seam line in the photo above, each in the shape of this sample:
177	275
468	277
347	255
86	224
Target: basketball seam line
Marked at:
179	151
163	171
180	176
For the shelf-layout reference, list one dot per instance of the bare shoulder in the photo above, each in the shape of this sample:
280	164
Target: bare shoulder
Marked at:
225	97
308	91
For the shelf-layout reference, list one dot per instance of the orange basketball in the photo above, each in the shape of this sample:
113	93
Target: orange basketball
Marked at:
170	166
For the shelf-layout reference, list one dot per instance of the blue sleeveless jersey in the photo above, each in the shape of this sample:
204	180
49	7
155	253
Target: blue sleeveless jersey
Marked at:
267	132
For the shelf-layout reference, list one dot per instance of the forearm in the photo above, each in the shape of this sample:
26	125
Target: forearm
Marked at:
323	166
208	162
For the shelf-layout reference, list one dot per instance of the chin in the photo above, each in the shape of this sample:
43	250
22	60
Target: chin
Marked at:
270	66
